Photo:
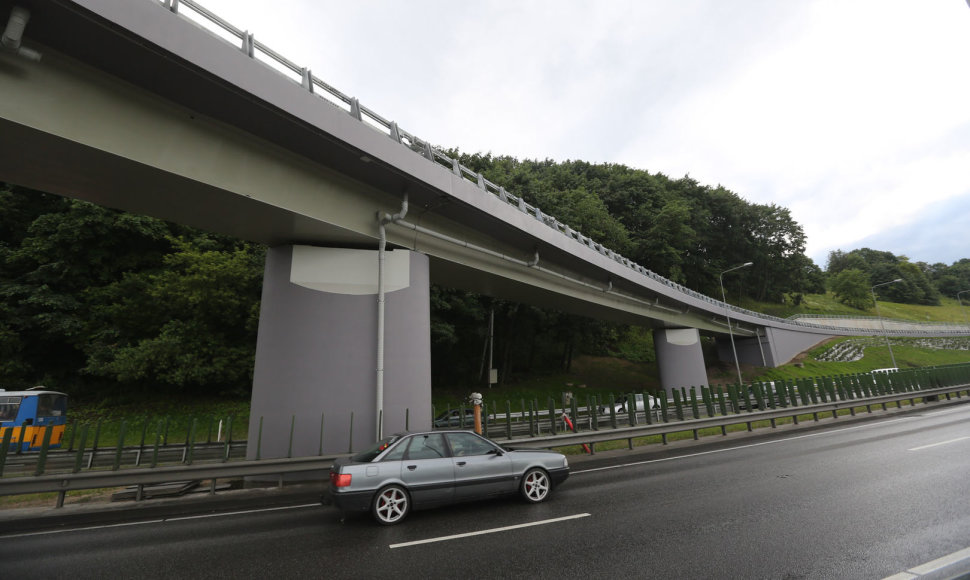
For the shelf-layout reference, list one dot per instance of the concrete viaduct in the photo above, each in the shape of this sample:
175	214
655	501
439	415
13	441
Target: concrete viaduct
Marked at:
162	108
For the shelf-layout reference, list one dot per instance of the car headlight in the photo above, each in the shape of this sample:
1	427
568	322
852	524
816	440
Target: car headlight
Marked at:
565	462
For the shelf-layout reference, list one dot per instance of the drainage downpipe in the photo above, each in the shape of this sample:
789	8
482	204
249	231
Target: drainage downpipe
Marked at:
14	31
382	221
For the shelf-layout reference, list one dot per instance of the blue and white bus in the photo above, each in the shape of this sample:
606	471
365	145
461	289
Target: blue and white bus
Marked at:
28	414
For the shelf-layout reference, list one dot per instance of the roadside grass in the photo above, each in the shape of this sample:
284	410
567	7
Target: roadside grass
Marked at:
170	421
49	499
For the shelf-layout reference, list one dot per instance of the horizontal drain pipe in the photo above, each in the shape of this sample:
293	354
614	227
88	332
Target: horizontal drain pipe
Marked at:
531	264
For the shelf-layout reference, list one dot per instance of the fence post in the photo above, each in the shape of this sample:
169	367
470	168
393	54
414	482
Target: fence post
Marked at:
678	405
259	436
121	445
45	444
228	448
4	447
190	441
321	429
508	419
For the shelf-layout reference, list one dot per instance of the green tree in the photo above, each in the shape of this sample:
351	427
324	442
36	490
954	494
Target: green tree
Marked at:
851	287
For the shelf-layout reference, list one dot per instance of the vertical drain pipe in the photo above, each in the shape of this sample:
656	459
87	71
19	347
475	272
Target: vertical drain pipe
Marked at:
382	221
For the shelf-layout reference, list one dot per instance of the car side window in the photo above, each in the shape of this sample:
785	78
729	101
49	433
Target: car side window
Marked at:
427	447
465	444
397	453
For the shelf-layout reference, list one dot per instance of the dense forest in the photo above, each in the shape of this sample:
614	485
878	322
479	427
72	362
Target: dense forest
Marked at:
102	303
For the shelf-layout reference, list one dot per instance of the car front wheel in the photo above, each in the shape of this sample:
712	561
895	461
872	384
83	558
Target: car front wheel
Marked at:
535	486
391	505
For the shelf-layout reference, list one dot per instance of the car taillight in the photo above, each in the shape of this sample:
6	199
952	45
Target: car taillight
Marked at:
339	479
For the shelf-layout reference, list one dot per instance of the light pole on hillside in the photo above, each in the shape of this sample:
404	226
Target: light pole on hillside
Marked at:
727	315
881	323
962	292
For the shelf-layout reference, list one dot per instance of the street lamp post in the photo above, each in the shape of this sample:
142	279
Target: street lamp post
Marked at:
881	323
961	300
727	315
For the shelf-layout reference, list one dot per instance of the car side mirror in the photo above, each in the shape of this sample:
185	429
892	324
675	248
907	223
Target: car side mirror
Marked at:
496	452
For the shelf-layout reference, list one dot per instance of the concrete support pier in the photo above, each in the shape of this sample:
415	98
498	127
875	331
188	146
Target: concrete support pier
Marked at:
679	358
316	353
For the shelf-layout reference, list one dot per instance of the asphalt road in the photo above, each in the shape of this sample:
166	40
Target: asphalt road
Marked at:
854	500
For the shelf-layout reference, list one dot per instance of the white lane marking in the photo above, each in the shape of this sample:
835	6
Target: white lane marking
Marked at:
489	531
750	445
938	444
159	521
87	529
930	567
243	512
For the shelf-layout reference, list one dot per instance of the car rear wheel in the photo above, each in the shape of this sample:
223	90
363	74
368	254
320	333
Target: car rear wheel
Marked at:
391	505
535	486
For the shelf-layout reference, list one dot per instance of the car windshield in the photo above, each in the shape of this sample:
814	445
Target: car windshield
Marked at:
376	449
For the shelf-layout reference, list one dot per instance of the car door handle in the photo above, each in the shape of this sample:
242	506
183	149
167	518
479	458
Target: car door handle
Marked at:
412	467
461	463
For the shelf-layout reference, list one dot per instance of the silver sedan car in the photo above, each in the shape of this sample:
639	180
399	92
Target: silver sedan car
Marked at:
421	470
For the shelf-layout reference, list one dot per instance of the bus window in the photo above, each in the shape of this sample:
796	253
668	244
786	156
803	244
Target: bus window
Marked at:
51	405
9	407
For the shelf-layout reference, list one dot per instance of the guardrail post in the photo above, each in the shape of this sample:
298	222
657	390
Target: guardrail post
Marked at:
647	408
592	412
259	435
508	419
141	442
94	444
485	419
693	403
552	416
320	452
631	411
80	449
532	420
159	429
4	447
228	448
190	441
121	445
663	407
612	405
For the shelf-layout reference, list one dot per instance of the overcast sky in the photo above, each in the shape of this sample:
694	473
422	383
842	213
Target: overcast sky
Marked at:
854	114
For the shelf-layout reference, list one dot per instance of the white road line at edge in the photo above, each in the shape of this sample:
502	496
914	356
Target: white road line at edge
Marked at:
490	531
772	442
159	521
938	444
931	567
